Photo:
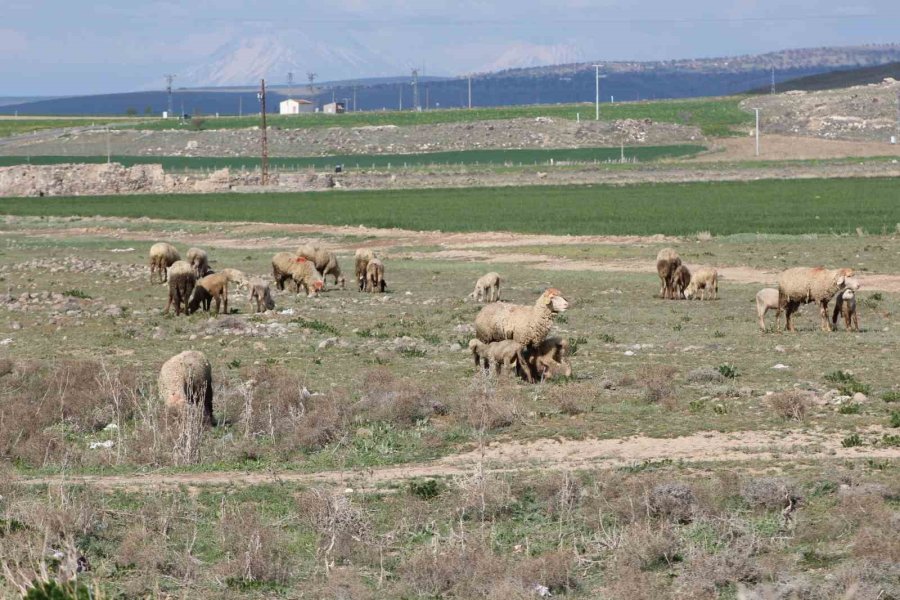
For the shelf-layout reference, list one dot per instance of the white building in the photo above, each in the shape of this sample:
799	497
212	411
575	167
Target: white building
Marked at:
333	108
293	106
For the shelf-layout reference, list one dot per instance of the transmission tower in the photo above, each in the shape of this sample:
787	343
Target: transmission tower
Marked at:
415	87
290	83
311	77
265	141
169	80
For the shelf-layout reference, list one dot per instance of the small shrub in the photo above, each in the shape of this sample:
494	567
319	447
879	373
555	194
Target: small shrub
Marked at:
427	489
850	408
254	548
606	338
769	492
675	502
847	383
851	441
76	293
890	440
197	123
575	344
315	325
895	418
791	405
891	396
657	383
411	352
728	371
705	375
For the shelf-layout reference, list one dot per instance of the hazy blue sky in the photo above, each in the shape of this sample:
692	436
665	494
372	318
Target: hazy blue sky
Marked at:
66	46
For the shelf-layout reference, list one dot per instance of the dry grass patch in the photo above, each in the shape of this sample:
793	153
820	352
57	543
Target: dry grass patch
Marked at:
791	405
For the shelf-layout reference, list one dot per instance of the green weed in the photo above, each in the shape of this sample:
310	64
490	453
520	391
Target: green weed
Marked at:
851	441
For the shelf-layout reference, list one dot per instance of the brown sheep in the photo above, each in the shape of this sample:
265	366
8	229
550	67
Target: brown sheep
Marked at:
209	288
667	260
548	359
299	270
199	260
802	285
186	378
261	296
375	276
681	279
704	280
162	256
362	258
325	261
181	284
845	305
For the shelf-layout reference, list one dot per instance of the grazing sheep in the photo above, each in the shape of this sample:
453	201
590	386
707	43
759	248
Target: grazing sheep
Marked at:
235	276
845	304
375	276
162	256
766	300
704	280
487	286
325	261
681	279
527	325
299	270
506	353
548	359
667	260
261	296
187	378
209	288
199	260
802	285
362	258
181	284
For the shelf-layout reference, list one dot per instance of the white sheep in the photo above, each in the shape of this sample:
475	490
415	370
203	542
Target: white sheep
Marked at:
766	300
487	287
181	284
375	276
199	260
362	258
704	280
325	261
162	256
802	285
299	270
507	353
186	378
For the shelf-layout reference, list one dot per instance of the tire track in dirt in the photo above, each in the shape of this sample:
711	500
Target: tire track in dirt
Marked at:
544	455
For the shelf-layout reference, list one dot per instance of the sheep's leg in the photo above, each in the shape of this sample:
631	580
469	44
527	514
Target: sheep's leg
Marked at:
788	312
761	313
225	298
526	366
823	312
855	321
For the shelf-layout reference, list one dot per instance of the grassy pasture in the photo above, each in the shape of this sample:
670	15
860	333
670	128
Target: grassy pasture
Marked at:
17	126
715	116
723	208
467	157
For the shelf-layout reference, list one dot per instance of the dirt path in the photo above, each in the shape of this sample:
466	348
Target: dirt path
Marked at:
546	454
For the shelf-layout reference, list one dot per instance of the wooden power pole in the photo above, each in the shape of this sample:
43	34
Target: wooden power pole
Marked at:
265	140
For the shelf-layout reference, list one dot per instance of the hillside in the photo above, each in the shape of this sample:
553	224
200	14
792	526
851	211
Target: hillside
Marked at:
839	79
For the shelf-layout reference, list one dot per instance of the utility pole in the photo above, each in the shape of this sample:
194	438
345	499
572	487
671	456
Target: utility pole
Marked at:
772	90
354	98
426	96
470	91
169	79
401	96
240	106
311	77
290	89
597	92
415	87
265	141
757	130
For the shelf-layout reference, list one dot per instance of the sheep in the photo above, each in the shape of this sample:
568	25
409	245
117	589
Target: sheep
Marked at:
181	284
235	276
681	279
261	296
548	358
187	378
487	286
667	260
506	353
375	276
299	270
704	280
802	285
766	299
162	256
325	261
199	260
845	304
211	287
362	258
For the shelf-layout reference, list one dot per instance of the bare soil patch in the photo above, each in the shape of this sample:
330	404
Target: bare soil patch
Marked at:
788	147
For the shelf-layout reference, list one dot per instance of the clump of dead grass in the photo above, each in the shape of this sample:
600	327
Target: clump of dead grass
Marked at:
658	382
791	405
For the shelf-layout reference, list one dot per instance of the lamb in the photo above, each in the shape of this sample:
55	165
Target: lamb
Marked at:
162	256
766	300
261	295
667	260
362	258
199	260
186	378
507	354
375	276
681	279
487	286
325	261
845	304
299	270
236	277
547	359
211	287
704	280
181	284
802	285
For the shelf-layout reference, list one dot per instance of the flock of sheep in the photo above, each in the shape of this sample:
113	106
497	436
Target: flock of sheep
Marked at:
797	286
510	336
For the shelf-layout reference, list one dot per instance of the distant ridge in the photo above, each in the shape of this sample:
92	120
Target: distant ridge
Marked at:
842	78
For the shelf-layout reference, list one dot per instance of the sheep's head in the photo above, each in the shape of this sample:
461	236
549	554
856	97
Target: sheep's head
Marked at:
553	298
316	287
195	299
848	294
845	278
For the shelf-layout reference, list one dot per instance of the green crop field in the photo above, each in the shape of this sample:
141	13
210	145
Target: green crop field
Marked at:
467	157
715	116
771	206
17	126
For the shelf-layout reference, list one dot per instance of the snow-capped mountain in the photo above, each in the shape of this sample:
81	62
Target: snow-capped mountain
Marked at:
523	55
245	60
